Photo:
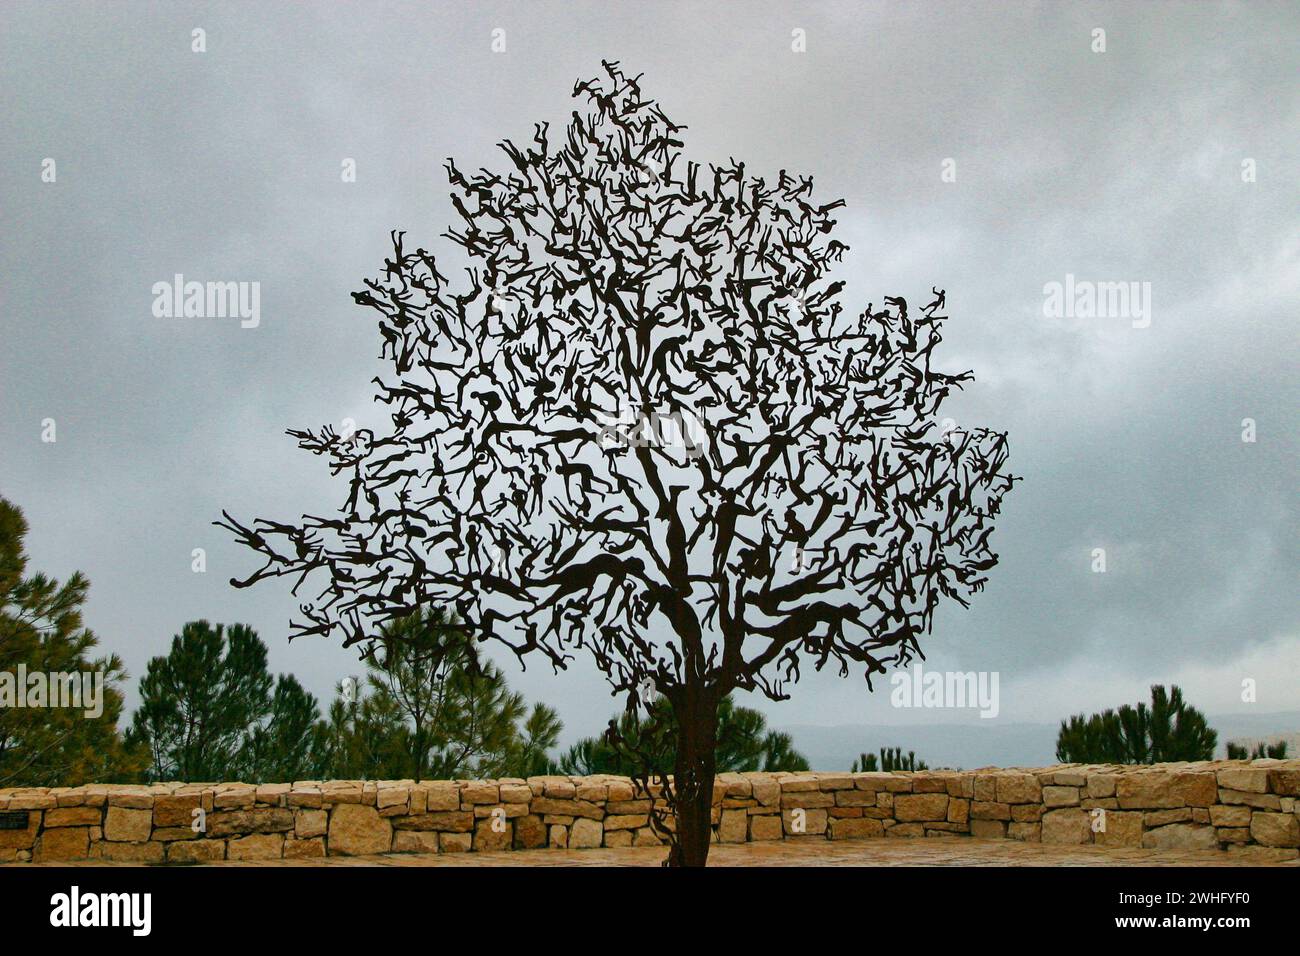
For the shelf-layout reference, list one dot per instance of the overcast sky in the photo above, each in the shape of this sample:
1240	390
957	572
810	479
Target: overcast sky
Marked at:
1116	166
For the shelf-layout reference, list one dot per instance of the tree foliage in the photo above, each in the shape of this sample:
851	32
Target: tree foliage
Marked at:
744	744
1261	750
1168	730
891	759
431	709
291	744
42	631
207	711
815	511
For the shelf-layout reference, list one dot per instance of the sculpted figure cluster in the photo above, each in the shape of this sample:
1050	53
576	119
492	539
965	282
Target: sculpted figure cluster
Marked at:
814	510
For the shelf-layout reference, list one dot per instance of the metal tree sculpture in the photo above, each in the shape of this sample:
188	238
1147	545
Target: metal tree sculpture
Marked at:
805	501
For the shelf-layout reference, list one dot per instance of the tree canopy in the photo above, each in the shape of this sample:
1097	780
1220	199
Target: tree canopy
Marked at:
42	633
1169	729
804	503
744	744
431	709
210	710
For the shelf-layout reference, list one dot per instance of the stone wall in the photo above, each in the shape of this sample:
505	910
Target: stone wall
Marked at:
1237	806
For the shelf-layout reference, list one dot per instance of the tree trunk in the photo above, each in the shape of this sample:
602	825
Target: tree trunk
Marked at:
693	771
418	740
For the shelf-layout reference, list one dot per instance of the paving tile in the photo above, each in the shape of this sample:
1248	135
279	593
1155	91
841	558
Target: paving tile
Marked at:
923	852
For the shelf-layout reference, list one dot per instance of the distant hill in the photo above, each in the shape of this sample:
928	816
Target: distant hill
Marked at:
999	745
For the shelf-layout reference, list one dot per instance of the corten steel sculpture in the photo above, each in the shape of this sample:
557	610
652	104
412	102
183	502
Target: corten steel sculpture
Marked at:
641	425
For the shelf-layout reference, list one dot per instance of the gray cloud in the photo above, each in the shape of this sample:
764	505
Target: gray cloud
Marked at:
1116	166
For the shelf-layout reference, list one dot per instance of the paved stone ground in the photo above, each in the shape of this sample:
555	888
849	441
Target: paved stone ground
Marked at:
922	852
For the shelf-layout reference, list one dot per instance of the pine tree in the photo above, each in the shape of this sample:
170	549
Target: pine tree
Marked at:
293	744
432	710
201	704
367	737
42	631
531	754
1262	749
1168	730
891	759
744	743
